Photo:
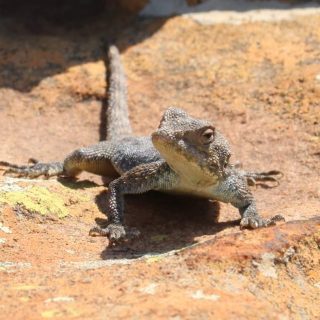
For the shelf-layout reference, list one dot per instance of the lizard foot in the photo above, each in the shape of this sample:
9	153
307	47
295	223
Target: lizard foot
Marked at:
115	232
34	170
258	222
262	178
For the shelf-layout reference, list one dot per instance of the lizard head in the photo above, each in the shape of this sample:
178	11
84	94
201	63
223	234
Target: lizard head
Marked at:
192	147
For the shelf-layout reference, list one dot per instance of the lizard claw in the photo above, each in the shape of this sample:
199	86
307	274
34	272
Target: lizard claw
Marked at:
258	222
251	223
34	170
260	178
277	218
33	161
115	232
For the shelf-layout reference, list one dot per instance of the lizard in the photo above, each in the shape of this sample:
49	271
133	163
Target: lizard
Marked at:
184	155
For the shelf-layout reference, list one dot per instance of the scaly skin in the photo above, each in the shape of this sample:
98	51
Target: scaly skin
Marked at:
184	155
117	112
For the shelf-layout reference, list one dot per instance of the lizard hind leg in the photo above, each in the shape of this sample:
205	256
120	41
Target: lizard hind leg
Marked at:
34	170
269	179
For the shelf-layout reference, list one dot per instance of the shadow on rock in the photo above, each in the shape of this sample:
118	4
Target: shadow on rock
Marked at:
41	39
75	184
166	223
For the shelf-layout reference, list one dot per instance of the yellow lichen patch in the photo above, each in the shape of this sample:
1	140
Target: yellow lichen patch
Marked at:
153	259
52	313
60	313
36	200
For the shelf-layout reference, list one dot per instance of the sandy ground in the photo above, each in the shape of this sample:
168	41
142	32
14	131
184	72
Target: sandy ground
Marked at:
259	82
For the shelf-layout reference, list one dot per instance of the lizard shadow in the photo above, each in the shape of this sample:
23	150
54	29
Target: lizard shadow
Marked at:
76	184
166	223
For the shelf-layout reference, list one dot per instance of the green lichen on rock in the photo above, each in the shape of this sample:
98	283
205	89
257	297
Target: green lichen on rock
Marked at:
37	200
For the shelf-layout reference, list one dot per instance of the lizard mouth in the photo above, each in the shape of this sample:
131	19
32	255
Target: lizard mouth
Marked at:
159	138
181	156
164	143
183	159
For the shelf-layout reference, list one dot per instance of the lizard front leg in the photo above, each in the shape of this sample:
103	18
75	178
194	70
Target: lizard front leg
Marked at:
251	218
234	189
152	176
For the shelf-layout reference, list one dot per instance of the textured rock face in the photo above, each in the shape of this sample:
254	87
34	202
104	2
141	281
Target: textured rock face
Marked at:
258	82
231	274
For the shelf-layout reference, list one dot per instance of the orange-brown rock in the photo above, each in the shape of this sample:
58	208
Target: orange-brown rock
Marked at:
258	82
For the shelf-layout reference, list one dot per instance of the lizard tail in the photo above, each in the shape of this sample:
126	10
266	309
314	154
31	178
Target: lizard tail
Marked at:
117	117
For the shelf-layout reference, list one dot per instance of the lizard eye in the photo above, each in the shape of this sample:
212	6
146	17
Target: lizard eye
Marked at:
207	136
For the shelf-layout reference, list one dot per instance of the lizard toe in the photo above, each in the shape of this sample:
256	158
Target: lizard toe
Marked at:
97	231
116	233
267	223
34	170
278	218
244	223
256	222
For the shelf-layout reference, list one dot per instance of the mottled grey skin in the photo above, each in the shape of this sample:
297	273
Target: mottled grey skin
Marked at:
184	156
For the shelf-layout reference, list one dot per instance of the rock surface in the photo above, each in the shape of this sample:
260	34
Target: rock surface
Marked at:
258	82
